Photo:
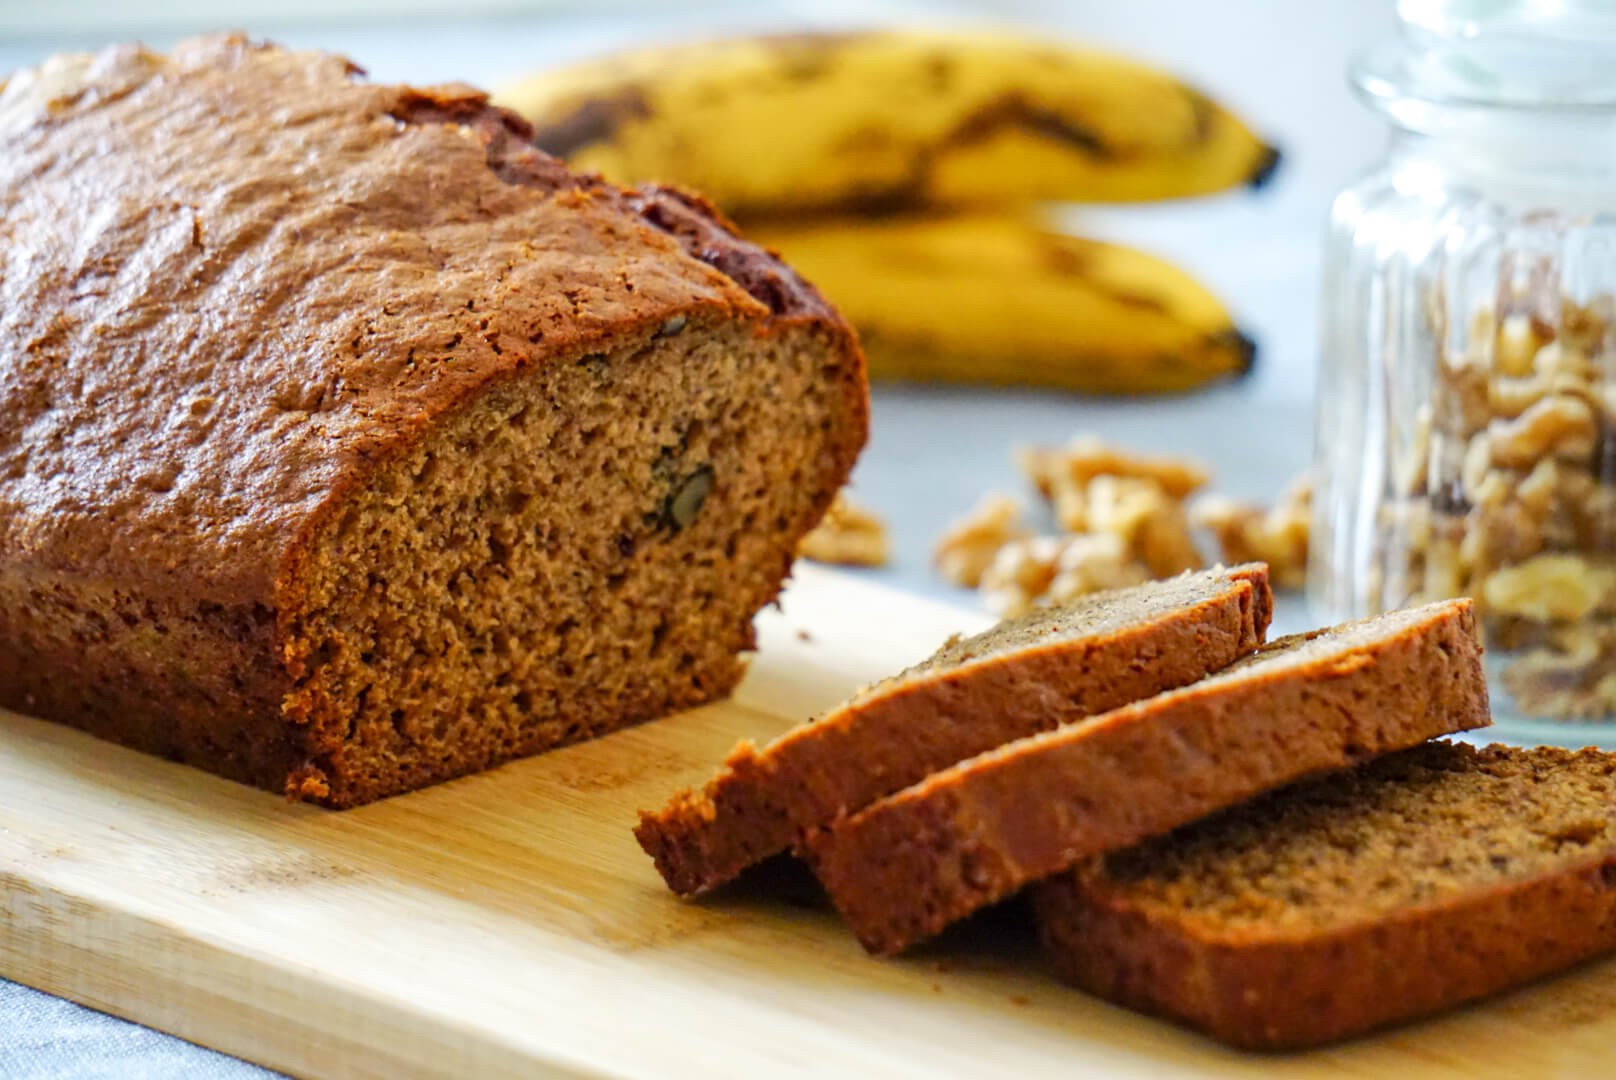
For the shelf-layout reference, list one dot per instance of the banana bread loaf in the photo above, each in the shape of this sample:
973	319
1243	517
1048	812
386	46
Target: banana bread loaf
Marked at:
1424	879
350	444
906	866
1026	675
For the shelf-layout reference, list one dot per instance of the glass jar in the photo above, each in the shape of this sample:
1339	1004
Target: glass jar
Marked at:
1467	394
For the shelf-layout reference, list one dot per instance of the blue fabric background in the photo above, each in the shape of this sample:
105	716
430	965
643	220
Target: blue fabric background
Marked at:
46	1038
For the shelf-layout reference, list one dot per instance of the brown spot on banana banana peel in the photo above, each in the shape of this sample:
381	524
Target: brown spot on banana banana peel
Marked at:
1065	260
864	139
594	121
1008	111
820	42
1205	111
1206	123
1137	301
1005	112
1069	260
807	55
1013	110
1205	115
871	202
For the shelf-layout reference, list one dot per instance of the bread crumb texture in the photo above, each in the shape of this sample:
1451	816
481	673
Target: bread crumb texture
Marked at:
1409	829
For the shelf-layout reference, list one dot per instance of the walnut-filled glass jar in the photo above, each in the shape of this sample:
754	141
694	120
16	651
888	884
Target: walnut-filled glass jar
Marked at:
1467	394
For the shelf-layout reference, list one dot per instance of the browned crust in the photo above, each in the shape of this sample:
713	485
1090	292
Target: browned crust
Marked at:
903	868
867	749
1273	991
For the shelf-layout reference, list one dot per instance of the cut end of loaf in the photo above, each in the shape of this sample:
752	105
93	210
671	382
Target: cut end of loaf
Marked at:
582	549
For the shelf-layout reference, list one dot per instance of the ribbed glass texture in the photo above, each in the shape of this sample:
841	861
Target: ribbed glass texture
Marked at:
1467	396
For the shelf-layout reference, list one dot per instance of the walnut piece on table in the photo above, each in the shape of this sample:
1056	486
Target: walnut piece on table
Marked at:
1020	573
1095	488
1051	569
1122	520
1150	524
848	535
968	546
1094	563
1278	536
1085	457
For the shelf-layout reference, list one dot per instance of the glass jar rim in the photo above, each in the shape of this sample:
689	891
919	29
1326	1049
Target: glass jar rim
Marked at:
1504	57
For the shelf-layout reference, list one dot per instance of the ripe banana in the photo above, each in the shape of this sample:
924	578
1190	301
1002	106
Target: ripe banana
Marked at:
890	120
1000	299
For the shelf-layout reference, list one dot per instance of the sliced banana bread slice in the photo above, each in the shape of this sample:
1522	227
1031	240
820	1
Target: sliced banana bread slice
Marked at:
906	866
1023	676
1406	885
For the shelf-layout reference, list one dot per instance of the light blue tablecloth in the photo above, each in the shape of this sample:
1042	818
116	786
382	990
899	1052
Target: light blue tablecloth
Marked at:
46	1038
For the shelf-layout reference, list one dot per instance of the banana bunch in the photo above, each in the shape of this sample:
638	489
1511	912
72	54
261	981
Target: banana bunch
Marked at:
900	172
998	298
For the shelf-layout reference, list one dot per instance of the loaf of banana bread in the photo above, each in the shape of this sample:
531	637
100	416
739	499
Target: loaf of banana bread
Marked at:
1409	884
348	443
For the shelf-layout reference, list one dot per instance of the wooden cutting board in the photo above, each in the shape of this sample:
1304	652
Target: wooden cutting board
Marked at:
508	925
